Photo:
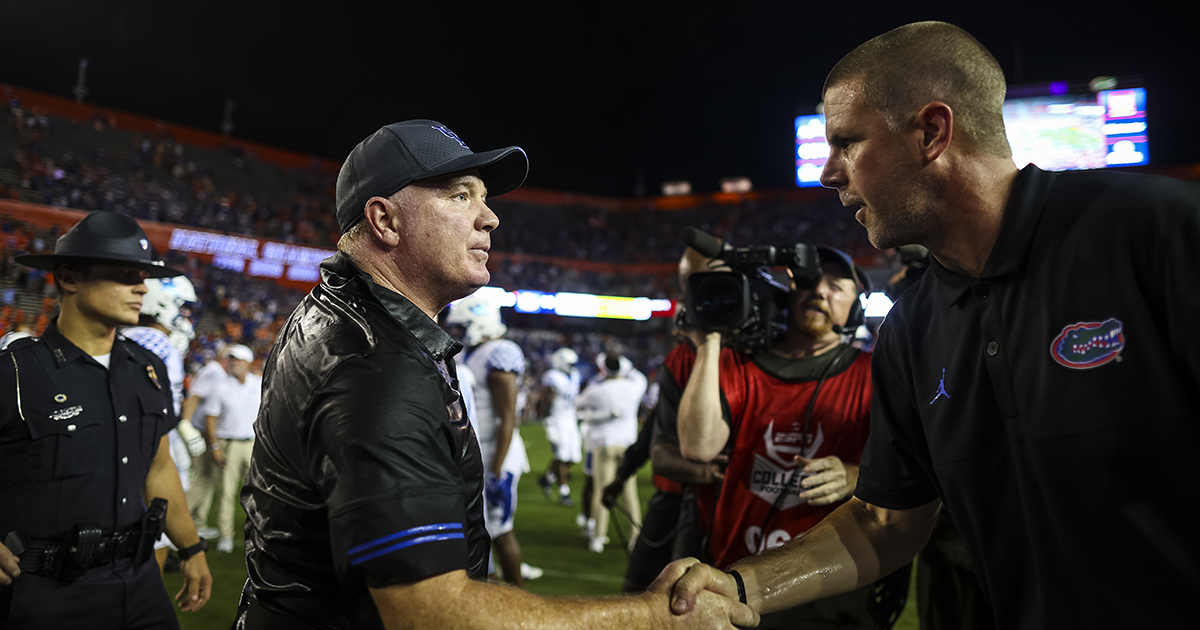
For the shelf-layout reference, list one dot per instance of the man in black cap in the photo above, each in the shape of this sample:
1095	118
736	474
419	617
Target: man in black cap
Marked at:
85	464
364	496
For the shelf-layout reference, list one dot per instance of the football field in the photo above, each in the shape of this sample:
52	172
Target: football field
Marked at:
547	532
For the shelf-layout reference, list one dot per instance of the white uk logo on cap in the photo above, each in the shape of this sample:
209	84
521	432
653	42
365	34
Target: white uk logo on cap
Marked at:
144	243
453	136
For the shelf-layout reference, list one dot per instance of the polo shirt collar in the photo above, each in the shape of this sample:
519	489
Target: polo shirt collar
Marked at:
1011	250
341	270
65	352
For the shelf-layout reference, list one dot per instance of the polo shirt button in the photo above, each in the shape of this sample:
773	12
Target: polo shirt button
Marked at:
124	460
122	418
70	428
124	500
981	292
993	348
164	411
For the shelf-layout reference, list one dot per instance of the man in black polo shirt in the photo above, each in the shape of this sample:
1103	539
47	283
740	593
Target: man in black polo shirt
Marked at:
84	416
364	496
1040	382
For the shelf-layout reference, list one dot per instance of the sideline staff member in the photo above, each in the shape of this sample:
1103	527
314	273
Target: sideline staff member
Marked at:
364	497
84	416
1040	379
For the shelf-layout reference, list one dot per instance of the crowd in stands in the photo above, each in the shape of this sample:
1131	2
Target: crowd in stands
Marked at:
94	165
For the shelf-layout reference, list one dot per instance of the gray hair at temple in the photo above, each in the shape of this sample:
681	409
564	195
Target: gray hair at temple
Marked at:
913	65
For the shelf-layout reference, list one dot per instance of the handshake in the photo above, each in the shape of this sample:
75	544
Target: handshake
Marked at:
698	596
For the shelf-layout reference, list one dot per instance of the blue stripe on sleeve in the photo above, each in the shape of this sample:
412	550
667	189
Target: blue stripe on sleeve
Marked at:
408	532
407	543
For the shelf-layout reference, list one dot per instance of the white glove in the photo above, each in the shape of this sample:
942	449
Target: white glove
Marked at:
195	441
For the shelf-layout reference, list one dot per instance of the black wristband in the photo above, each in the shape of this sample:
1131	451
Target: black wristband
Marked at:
737	577
184	554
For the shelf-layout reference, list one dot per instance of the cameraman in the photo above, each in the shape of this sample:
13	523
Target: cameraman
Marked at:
793	421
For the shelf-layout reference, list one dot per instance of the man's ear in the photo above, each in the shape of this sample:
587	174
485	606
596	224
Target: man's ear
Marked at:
936	123
68	278
383	219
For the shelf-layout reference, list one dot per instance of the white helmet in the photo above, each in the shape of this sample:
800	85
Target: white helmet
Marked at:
564	359
480	317
163	300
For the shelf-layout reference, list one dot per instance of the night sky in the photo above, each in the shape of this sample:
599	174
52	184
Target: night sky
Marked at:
598	93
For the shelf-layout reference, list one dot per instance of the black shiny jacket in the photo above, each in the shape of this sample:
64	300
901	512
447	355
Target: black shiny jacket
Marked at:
366	471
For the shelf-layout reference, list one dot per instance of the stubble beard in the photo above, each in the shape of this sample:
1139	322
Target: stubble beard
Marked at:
906	218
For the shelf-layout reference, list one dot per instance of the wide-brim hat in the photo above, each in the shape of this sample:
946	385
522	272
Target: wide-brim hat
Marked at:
404	152
103	237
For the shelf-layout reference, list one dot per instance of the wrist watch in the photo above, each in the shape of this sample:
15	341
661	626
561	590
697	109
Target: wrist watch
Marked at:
184	554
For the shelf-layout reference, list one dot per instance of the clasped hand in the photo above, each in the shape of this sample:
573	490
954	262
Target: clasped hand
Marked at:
698	596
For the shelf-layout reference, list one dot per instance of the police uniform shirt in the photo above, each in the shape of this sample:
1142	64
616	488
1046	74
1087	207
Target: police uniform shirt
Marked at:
1051	403
76	439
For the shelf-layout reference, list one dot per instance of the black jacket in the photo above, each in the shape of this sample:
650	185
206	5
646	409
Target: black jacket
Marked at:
366	471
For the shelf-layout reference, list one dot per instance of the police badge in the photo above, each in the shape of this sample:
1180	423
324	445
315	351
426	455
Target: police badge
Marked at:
153	376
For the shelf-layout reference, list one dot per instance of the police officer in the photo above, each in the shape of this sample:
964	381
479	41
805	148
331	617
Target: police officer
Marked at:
85	465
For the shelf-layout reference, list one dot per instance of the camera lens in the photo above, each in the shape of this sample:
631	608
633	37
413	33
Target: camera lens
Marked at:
721	300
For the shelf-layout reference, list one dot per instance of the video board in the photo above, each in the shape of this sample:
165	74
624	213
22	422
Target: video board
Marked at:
1058	132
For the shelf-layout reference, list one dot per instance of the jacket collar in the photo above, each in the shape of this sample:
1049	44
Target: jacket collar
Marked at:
1011	250
341	274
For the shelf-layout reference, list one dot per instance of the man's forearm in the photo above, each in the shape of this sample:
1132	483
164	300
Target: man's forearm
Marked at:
854	546
189	407
421	604
702	429
496	607
210	430
508	423
667	462
163	481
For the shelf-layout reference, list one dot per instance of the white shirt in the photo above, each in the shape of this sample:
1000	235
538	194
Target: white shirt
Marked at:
566	390
610	408
236	407
207	381
504	356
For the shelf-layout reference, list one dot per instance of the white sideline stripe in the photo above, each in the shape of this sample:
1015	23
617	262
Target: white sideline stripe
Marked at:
586	577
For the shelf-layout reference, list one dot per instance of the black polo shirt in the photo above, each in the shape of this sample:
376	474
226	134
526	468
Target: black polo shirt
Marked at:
366	472
1051	403
77	439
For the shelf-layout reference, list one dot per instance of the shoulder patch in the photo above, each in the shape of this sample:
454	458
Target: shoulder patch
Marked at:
1085	345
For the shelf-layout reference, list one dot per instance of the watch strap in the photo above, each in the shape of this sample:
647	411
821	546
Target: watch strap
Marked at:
184	554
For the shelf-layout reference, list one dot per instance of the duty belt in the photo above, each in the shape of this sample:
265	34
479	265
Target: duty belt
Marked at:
83	549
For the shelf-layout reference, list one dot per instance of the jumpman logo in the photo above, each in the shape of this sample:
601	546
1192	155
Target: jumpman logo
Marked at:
941	388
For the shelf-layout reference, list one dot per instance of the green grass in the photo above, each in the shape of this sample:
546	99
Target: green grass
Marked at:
547	533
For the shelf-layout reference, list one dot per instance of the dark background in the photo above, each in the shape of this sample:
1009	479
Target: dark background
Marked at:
602	95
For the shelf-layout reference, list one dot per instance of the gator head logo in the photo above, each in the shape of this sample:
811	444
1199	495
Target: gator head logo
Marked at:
1087	345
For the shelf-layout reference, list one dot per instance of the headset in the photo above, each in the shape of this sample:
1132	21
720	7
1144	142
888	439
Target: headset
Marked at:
857	316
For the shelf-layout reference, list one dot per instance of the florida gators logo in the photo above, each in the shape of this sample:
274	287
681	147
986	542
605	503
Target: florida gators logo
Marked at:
1086	345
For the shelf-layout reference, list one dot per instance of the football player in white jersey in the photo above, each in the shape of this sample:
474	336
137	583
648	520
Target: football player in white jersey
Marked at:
497	365
560	388
166	330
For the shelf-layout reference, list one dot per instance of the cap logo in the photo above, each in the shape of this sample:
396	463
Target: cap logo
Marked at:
1086	345
144	243
450	134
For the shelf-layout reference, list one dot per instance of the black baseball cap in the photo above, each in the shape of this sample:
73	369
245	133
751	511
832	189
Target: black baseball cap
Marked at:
843	260
104	237
404	152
